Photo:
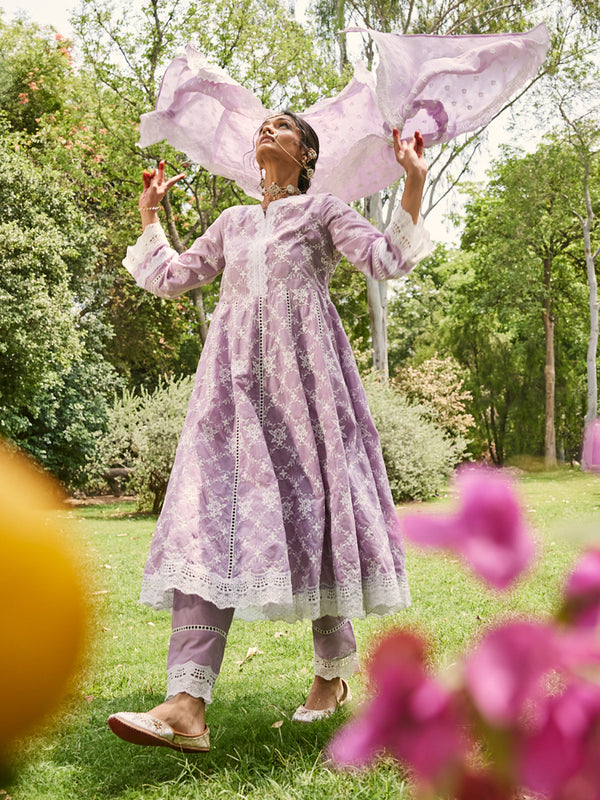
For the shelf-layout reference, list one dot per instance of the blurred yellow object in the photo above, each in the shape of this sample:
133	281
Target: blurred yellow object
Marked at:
42	607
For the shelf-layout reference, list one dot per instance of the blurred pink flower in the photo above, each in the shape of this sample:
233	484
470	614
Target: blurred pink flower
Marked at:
560	757
505	671
411	716
487	530
581	604
506	674
590	457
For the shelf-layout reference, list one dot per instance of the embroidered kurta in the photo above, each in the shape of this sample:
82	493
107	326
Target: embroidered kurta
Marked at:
278	502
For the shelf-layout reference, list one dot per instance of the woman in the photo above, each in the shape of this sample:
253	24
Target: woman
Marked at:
278	504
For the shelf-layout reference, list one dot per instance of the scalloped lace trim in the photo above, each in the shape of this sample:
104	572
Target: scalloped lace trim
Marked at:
152	238
344	667
412	240
270	596
194	679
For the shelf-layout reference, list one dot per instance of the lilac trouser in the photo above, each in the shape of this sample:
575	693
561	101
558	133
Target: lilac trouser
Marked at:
199	634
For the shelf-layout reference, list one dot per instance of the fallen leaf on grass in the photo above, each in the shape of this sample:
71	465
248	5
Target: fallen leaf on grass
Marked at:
277	634
252	651
277	724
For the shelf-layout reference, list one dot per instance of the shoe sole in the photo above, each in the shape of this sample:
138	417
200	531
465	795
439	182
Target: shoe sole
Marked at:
134	735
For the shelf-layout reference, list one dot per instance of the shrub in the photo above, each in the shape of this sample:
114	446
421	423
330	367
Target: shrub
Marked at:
162	414
418	455
438	384
143	432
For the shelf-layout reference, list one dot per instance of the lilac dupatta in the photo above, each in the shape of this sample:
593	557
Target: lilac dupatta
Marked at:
441	85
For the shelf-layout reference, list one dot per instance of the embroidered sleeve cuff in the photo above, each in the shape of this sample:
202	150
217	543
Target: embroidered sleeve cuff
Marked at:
151	239
412	240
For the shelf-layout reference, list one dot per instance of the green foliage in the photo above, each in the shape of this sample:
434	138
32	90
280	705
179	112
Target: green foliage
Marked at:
526	268
142	435
53	378
418	456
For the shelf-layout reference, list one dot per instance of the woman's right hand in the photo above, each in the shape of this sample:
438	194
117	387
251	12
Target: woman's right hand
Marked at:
155	189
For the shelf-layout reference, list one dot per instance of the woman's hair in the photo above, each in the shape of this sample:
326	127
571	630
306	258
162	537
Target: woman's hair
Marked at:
310	140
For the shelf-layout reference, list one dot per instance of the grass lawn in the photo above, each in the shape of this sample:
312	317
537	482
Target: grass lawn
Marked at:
256	751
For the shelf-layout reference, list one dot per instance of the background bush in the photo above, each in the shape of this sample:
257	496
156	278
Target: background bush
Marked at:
418	455
143	431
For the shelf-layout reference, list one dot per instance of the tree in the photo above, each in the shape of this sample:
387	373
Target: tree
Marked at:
53	378
521	233
583	133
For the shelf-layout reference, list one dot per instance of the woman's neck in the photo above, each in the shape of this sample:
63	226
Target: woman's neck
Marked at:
279	176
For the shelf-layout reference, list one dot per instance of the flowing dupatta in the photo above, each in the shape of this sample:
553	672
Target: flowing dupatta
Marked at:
442	86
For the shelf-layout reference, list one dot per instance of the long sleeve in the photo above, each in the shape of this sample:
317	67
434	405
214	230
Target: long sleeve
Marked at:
379	255
158	268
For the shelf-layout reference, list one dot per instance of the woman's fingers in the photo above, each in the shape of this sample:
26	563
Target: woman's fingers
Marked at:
419	144
155	186
173	181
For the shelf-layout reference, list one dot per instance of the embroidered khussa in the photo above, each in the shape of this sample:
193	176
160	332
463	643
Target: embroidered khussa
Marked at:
278	503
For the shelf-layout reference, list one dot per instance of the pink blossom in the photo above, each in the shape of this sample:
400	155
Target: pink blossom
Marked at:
560	757
581	606
590	457
411	716
505	671
487	530
23	98
505	675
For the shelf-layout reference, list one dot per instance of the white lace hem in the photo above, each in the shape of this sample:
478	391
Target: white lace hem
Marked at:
412	240
152	238
270	597
344	667
194	679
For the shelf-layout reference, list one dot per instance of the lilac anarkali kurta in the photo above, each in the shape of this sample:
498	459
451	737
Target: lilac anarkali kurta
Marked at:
278	503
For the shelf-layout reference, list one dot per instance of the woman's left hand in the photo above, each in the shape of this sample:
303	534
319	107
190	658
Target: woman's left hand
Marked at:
409	153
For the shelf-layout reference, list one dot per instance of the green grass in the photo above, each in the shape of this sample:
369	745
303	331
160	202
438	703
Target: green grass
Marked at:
77	758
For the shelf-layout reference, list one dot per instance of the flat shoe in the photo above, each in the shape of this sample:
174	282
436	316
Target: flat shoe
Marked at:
304	714
141	728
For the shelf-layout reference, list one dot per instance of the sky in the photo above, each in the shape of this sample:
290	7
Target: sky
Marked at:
46	12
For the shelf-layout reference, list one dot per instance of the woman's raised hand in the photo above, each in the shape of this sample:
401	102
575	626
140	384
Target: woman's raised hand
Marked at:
155	187
409	153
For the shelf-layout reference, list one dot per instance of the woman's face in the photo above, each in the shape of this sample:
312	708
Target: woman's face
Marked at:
278	139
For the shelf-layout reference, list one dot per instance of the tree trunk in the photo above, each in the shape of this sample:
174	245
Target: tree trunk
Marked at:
377	298
178	245
592	351
549	372
198	300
